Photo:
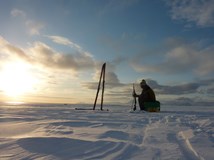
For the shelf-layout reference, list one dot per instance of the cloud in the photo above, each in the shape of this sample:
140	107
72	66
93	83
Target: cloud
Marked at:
111	81
180	89
18	13
180	58
185	101
189	57
182	101
3	42
210	90
199	12
64	41
10	50
206	65
44	55
33	27
51	58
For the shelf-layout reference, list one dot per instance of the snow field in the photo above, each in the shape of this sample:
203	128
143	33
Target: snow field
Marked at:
55	133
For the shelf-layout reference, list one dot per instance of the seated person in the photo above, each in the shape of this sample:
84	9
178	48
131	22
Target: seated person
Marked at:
147	95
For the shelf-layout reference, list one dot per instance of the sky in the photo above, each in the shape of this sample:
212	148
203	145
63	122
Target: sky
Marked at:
52	51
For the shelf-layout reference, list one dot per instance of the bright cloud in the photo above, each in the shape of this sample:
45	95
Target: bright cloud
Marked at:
42	54
51	58
9	50
64	41
197	11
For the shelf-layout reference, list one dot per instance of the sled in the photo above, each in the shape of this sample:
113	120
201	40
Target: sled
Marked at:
152	106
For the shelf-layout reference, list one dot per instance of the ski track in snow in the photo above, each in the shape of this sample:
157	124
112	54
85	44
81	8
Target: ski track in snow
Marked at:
62	133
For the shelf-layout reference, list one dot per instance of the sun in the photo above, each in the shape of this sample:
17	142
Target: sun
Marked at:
16	79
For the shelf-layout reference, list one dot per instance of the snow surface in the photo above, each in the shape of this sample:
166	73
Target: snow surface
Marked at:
58	132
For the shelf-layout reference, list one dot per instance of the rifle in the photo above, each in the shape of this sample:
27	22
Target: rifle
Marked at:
135	101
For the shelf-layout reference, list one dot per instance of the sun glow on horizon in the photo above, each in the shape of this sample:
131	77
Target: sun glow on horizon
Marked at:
16	79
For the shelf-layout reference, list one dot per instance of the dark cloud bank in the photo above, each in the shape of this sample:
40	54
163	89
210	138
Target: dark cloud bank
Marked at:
188	94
